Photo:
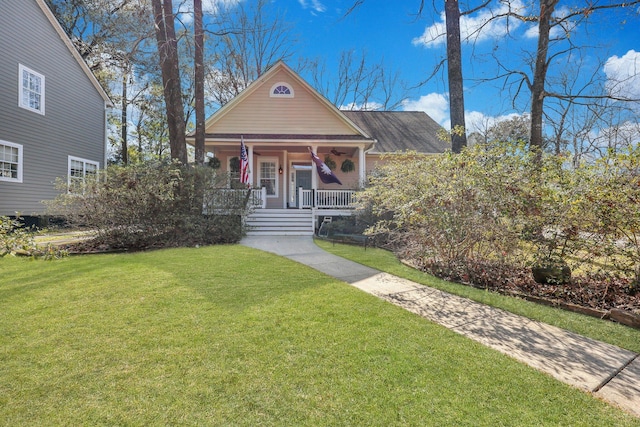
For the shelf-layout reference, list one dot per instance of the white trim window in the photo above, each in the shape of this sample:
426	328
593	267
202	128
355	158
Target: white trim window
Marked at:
268	175
80	171
281	90
31	87
10	161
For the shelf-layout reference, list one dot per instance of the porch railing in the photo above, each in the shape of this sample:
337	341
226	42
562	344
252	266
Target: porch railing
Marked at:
306	198
259	197
233	199
327	199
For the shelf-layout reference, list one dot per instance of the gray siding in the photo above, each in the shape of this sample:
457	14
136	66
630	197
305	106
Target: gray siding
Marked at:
73	124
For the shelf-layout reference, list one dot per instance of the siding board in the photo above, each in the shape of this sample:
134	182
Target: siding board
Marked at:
73	124
303	114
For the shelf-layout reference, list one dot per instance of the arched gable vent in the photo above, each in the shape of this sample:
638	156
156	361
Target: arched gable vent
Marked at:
281	90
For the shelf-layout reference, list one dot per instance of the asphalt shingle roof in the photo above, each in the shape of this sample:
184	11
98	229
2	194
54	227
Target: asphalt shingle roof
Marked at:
398	131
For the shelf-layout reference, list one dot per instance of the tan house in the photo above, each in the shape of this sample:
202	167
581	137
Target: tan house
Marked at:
280	118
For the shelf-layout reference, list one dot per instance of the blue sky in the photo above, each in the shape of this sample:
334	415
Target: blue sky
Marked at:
413	46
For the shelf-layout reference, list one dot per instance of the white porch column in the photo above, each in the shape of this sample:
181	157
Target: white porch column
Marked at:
314	179
284	178
250	155
362	167
314	173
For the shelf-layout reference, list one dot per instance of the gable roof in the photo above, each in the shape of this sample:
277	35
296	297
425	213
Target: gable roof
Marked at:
382	131
397	131
342	129
56	25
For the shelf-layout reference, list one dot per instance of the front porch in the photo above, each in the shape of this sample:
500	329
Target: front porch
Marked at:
285	176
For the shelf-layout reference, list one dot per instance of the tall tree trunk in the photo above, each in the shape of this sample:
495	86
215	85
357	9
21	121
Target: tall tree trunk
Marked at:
168	55
454	70
199	80
123	117
540	74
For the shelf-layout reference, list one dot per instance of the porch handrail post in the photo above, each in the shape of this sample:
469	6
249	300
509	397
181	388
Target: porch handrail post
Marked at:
300	197
263	197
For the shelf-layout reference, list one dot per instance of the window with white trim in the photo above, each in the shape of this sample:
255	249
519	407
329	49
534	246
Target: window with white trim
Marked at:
31	85
269	176
10	162
281	90
80	172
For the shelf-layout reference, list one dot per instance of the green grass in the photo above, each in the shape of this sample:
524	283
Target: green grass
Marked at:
227	335
602	330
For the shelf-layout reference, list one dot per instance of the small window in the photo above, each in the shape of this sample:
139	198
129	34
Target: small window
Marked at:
31	90
282	90
80	172
269	176
10	162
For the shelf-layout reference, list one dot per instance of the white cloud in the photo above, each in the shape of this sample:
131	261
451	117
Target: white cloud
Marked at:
480	122
209	7
186	18
626	134
557	31
479	27
623	75
532	32
213	6
370	106
436	105
315	5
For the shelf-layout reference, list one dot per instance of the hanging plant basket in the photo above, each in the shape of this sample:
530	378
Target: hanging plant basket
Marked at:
331	164
214	162
347	166
234	164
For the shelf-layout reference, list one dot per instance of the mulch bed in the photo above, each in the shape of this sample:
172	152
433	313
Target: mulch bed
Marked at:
599	295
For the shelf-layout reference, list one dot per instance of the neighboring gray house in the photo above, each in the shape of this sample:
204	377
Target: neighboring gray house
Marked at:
52	109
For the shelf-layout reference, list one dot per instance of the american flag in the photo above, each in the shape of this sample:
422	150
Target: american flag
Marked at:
325	174
244	163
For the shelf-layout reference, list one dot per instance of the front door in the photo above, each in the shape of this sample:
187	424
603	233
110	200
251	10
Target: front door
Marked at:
303	179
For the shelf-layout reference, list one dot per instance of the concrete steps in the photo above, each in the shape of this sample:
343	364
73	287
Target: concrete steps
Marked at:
280	222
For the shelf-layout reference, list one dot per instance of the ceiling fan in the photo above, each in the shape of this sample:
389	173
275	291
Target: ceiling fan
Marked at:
336	152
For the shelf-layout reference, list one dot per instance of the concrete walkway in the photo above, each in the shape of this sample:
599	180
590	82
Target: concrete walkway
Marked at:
609	372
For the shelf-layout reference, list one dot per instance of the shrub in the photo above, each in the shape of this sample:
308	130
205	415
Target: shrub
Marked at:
155	205
500	203
446	208
15	239
345	225
613	207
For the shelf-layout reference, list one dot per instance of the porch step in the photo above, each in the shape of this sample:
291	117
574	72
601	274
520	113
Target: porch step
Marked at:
280	222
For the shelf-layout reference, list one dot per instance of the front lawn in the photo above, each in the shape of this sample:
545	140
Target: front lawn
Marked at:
228	335
602	330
